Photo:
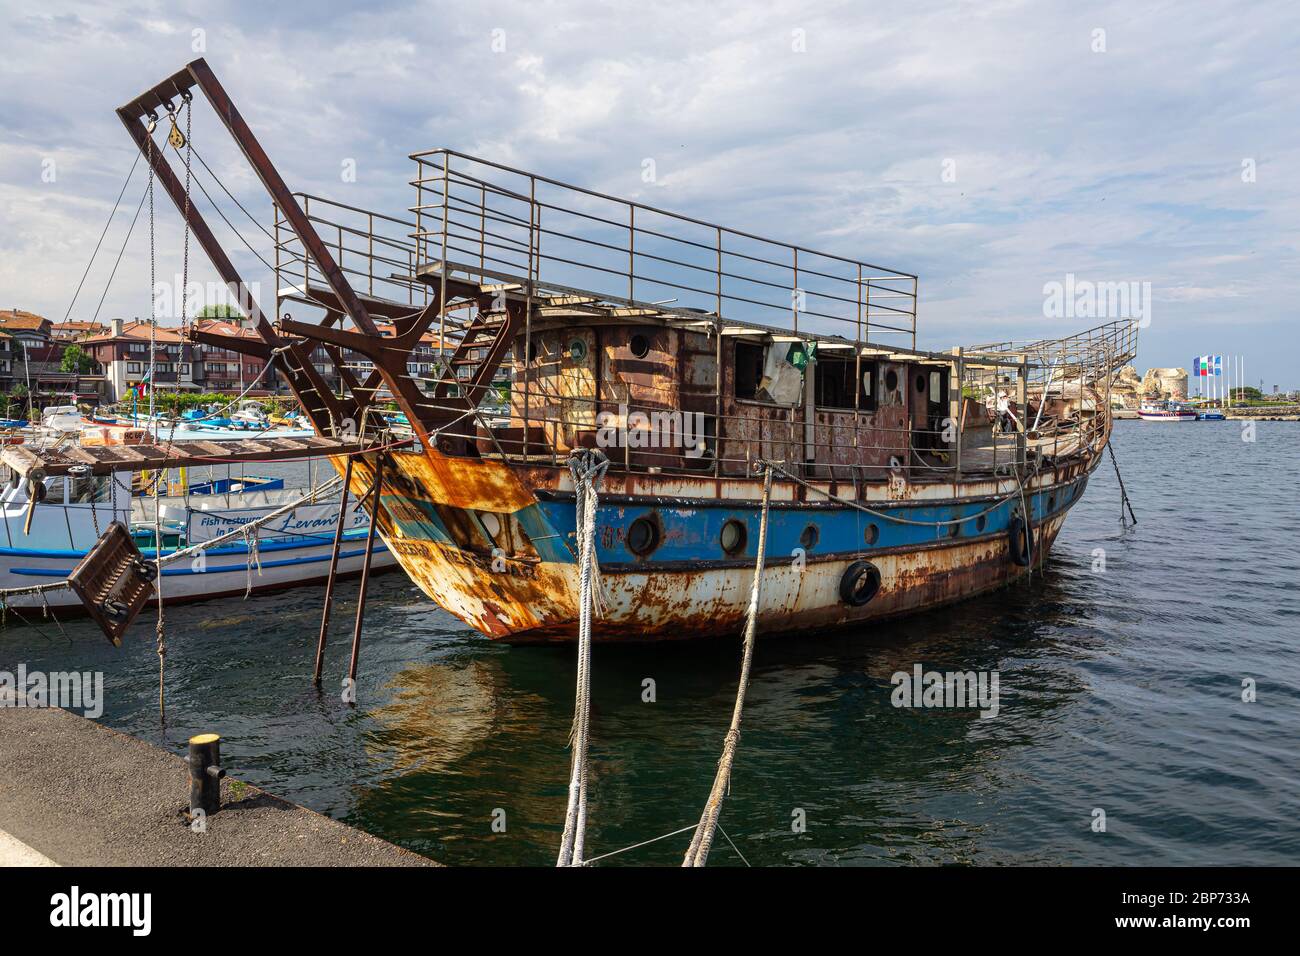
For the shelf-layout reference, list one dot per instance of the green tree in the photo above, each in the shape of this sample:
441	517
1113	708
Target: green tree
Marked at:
221	311
75	359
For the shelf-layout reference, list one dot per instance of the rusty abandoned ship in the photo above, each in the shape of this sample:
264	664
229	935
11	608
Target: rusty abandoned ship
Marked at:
516	320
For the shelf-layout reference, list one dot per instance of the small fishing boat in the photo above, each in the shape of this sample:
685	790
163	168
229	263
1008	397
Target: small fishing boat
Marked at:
289	551
1211	415
1168	411
60	420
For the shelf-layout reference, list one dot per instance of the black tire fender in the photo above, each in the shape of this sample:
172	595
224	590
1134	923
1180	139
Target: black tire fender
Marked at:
859	584
1020	537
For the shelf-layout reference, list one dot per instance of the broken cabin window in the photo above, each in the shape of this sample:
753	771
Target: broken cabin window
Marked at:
834	381
749	369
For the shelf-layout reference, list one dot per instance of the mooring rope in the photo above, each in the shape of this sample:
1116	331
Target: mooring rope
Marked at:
698	852
587	467
1123	495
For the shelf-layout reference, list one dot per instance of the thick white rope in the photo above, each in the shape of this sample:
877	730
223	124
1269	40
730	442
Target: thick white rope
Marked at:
698	852
587	467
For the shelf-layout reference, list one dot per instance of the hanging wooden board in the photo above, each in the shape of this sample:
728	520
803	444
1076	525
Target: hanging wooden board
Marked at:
113	581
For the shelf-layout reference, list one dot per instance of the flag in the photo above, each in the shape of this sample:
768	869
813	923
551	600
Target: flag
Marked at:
801	353
1218	365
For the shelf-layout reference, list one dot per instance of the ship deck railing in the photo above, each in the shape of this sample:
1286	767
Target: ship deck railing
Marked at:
516	235
548	234
919	453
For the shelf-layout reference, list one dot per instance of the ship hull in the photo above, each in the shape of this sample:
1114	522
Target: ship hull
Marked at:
688	587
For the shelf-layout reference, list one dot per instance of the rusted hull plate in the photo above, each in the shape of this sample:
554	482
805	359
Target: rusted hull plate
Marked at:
431	515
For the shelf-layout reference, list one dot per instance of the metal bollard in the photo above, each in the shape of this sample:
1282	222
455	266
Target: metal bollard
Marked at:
205	773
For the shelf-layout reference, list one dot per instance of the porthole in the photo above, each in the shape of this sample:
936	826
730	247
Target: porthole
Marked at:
920	384
1051	504
981	522
891	380
872	534
578	351
733	537
643	536
954	530
639	346
809	537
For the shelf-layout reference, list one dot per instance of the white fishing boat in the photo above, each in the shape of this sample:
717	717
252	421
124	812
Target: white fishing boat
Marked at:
292	550
1166	412
59	420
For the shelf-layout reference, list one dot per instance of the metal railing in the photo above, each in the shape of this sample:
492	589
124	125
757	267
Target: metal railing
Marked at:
485	217
375	252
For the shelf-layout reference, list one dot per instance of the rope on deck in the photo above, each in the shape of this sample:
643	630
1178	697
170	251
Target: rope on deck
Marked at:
587	466
698	852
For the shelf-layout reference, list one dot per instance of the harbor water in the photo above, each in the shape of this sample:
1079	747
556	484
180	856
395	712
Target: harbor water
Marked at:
1121	672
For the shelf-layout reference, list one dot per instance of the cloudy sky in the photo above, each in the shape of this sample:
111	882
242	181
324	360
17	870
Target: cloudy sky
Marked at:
991	147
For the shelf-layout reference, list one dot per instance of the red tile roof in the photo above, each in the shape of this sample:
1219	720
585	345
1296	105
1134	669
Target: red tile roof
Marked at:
17	319
139	331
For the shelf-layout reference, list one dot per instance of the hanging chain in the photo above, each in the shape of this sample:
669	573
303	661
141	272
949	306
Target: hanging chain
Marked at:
185	261
160	634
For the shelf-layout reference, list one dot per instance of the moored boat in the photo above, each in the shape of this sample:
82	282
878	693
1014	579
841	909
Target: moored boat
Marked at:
1168	411
290	551
682	364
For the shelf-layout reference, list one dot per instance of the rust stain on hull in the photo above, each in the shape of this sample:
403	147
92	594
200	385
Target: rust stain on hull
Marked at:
530	600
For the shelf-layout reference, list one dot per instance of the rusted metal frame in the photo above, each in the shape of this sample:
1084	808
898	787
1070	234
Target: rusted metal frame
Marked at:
242	346
1022	407
468	341
957	407
333	575
794	293
378	349
857	386
131	116
365	567
311	241
717	396
442	314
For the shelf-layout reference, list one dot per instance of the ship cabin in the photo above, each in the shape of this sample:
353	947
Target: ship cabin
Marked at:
660	398
568	319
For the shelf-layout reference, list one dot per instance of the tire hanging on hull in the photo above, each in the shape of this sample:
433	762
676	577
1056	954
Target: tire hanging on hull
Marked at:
1021	537
860	583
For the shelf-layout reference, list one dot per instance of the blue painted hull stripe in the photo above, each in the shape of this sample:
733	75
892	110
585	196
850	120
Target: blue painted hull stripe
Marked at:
692	533
241	568
264	547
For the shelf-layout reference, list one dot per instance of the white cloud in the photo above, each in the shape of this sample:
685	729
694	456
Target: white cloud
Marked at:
1124	165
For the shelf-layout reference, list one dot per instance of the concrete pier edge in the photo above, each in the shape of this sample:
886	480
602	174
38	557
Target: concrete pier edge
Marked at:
77	793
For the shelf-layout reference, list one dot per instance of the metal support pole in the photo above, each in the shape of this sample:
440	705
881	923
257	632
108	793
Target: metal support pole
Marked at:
1022	406
334	566
365	567
957	406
